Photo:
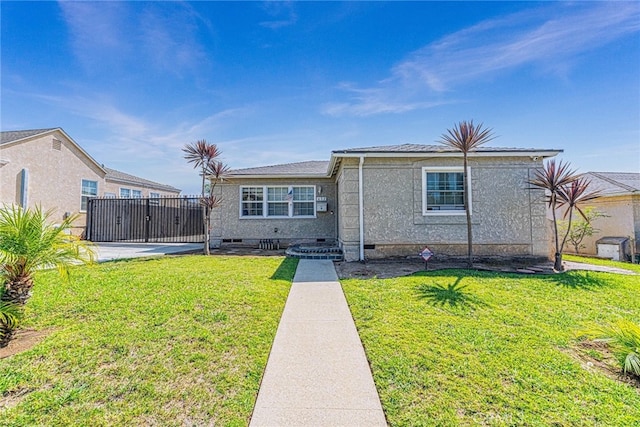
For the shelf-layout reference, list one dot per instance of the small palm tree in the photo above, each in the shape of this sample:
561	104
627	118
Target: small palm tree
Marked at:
466	137
29	243
554	178
205	156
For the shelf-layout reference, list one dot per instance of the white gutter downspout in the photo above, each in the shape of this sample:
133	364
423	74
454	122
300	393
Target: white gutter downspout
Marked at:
361	208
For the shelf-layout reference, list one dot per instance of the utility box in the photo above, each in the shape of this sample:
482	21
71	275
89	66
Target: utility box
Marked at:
321	204
614	248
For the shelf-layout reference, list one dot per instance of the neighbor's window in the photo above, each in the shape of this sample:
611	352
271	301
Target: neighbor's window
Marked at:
125	193
154	195
136	194
278	201
89	189
443	191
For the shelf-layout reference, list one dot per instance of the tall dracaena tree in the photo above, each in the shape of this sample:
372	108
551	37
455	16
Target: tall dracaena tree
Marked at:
554	178
572	196
467	137
203	156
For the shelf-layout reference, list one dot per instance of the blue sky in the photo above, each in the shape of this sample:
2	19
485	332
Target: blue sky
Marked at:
279	82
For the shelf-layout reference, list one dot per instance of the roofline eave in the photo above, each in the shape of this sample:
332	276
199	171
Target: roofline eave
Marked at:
273	176
380	154
98	165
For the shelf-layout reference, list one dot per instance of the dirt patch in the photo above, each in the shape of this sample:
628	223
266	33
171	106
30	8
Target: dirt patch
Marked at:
398	267
24	340
596	356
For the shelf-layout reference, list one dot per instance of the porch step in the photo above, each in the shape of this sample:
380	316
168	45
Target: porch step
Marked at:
315	251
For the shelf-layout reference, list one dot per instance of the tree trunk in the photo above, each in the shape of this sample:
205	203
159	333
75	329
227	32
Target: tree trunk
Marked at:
557	265
6	334
18	291
467	208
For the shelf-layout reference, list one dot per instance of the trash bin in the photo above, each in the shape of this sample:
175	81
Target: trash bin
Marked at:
614	248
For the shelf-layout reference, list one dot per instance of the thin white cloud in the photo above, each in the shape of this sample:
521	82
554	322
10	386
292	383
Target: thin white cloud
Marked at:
549	37
107	35
277	9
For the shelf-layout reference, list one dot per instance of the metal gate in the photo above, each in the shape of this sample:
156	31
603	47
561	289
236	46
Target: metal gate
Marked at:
157	220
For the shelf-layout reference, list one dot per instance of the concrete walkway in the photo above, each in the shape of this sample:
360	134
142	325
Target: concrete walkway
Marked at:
113	251
317	373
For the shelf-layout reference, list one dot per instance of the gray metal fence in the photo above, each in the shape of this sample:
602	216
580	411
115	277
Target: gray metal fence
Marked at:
158	220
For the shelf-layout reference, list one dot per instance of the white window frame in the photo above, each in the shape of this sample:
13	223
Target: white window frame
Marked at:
83	195
153	195
128	190
437	169
138	194
265	202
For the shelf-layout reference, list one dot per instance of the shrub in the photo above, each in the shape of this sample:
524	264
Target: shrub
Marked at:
623	338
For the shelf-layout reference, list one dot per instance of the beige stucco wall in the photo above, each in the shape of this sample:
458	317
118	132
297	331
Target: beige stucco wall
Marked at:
623	220
508	217
226	223
114	187
54	176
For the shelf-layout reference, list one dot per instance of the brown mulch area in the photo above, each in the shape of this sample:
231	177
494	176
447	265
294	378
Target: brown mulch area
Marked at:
389	268
23	341
596	356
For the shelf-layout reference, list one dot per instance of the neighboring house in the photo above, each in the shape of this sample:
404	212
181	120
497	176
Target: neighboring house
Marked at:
620	201
390	201
46	167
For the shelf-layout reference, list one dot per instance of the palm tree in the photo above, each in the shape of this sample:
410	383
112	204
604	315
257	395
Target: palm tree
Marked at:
10	316
205	156
29	243
554	179
466	137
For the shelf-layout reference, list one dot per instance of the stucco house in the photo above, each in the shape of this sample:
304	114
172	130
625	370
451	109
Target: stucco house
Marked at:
46	167
620	201
390	201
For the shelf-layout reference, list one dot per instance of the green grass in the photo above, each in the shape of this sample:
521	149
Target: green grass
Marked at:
459	347
171	341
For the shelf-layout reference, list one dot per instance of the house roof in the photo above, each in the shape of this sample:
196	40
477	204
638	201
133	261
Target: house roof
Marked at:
614	183
125	178
7	137
443	149
324	169
314	168
16	135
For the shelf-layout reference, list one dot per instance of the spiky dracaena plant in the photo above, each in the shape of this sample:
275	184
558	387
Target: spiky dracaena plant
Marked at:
29	243
205	156
623	338
572	196
467	137
553	178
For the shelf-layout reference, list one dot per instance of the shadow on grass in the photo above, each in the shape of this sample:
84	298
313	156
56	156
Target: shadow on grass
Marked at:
577	280
286	270
453	295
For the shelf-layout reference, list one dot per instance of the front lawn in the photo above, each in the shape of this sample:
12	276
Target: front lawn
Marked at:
458	347
171	341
